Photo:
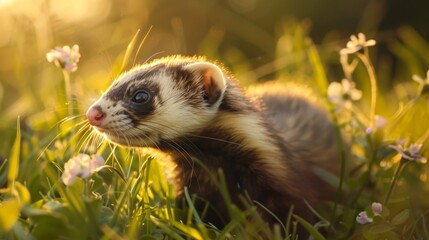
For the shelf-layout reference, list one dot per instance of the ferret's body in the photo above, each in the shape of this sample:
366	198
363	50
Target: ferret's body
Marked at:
267	141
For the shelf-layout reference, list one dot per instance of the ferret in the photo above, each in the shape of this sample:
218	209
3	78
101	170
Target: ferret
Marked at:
267	141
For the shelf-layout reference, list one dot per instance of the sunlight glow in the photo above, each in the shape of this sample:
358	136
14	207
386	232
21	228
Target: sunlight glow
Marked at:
4	3
423	177
81	10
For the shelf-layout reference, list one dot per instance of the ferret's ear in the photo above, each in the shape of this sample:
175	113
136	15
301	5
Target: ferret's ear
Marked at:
211	77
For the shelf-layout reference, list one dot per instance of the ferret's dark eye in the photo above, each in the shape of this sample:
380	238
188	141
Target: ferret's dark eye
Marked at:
141	97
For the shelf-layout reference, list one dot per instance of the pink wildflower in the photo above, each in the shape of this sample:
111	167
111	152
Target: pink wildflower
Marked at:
65	57
411	152
377	208
363	218
379	123
82	166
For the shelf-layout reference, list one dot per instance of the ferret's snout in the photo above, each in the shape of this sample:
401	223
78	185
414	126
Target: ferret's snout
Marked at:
95	115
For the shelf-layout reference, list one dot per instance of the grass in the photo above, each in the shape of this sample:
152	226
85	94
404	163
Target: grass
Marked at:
131	198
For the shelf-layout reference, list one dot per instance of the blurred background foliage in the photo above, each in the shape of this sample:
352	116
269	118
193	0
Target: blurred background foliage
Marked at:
255	39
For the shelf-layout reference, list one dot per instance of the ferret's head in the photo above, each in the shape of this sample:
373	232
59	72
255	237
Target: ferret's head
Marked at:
161	101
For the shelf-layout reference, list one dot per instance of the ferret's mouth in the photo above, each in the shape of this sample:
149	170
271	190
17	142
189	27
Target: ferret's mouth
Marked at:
107	134
99	129
114	138
124	140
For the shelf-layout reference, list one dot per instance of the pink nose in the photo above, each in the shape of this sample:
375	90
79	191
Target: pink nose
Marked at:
95	115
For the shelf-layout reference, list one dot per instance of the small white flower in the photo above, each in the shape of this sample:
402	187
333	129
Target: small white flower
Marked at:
363	218
356	44
342	94
424	83
65	57
379	123
418	79
411	152
377	208
81	166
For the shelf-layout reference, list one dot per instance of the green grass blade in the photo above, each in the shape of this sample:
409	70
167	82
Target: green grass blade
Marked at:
129	51
14	157
141	44
314	233
228	229
9	213
168	230
288	221
200	224
272	215
319	70
188	230
121	203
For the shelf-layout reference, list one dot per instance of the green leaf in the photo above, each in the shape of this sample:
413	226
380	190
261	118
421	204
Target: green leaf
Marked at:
105	215
50	226
316	234
14	158
379	229
93	208
75	193
401	217
77	187
20	231
9	212
22	192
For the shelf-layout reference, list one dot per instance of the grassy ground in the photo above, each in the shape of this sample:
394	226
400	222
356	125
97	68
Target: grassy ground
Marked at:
129	198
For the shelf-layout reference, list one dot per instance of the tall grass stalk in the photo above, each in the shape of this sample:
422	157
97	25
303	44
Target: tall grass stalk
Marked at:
373	80
402	163
68	92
